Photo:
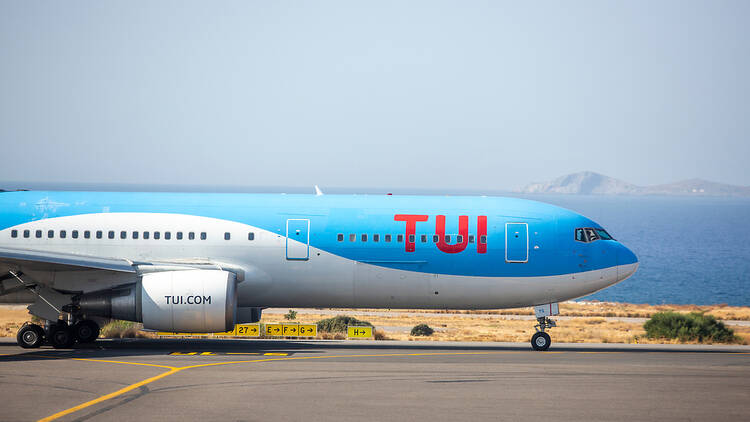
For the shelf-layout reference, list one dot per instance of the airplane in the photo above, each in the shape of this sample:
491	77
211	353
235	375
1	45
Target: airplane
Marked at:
203	262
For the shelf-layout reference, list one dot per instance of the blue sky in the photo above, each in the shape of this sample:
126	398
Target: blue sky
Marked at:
425	94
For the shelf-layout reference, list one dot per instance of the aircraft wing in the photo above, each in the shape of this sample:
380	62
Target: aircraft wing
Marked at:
44	260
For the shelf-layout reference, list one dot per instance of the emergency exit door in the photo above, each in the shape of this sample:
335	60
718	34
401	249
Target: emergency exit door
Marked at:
516	242
298	239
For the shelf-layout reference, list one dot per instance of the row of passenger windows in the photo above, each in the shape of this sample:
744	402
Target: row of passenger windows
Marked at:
400	238
112	234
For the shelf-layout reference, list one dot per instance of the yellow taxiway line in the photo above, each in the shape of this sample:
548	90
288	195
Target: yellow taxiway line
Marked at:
171	370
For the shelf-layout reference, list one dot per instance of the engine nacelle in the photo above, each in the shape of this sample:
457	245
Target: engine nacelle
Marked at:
190	301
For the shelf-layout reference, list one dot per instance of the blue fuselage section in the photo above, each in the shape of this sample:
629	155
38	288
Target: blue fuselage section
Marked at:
463	236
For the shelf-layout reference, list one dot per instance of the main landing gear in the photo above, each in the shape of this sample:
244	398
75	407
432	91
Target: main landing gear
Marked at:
58	334
541	341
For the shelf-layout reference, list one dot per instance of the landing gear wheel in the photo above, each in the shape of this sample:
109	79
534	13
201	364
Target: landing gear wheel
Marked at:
86	331
61	336
30	336
540	341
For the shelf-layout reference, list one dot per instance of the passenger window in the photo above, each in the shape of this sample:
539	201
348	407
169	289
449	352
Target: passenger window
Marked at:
388	238
74	234
111	234
135	235
26	234
471	238
400	238
376	238
203	235
50	234
424	238
63	234
123	235
364	238
157	235
38	234
167	235
146	235
435	238
340	237
459	239
447	238
14	233
191	236
352	237
251	236
227	236
99	234
179	235
483	238
86	234
411	238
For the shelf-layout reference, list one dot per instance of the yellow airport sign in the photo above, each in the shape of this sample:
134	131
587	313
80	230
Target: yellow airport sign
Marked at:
247	330
308	330
290	330
273	329
358	332
166	334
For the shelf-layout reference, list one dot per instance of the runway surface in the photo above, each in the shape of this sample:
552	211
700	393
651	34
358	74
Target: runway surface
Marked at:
262	380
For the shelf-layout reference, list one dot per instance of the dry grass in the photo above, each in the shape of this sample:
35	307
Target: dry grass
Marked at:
590	327
603	309
449	327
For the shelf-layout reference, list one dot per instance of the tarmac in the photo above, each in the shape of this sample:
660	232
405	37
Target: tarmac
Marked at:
269	380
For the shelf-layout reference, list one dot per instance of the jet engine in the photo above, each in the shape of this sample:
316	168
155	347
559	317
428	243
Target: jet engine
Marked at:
190	301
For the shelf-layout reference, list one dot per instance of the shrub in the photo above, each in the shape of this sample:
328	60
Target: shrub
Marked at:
694	326
292	314
422	330
379	335
119	329
339	323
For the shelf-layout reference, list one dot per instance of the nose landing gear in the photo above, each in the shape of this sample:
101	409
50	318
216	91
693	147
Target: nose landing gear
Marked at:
541	341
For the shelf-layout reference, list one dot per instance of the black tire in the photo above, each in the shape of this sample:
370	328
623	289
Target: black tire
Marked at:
61	336
30	336
540	341
86	331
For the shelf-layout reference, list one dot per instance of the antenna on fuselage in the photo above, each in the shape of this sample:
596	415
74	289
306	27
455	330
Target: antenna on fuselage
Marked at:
318	192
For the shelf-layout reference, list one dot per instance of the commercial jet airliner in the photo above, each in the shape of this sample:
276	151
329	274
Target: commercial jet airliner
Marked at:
196	262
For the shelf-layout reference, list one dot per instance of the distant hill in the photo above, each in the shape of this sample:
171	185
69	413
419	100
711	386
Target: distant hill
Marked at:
590	183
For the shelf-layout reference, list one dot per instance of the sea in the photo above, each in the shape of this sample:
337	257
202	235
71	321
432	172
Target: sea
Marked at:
692	250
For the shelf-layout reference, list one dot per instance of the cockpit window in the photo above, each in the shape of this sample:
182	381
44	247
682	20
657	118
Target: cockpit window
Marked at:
590	234
604	235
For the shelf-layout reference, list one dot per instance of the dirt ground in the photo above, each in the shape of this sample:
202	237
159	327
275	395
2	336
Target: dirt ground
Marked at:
595	322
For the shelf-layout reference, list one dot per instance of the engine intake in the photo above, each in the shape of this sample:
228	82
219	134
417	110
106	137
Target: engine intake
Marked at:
190	301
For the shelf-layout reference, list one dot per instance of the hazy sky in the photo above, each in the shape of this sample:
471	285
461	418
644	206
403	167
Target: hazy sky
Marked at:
463	94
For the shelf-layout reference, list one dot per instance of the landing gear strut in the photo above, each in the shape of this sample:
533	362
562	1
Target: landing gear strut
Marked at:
541	341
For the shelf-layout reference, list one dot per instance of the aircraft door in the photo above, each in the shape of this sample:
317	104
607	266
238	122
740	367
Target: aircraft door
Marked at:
298	239
516	242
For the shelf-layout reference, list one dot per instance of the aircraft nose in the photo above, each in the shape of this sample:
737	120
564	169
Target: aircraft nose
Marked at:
627	263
